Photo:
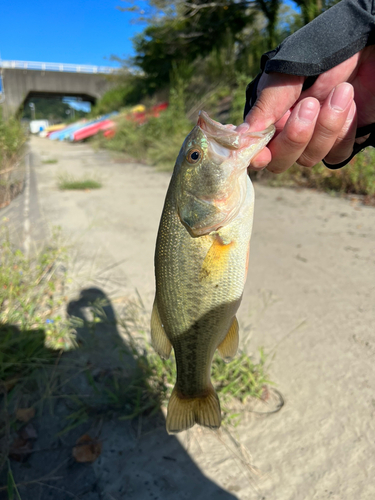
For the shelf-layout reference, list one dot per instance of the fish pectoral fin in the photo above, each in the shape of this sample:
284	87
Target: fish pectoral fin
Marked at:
183	413
159	339
216	260
228	347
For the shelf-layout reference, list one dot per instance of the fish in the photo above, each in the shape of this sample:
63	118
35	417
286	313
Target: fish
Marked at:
201	262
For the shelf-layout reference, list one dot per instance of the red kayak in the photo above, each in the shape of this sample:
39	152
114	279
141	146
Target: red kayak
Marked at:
93	129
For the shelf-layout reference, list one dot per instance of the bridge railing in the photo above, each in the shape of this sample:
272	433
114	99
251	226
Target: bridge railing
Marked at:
45	66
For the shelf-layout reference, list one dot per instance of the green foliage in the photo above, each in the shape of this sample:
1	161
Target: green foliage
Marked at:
50	161
53	109
12	139
270	9
160	138
126	93
238	99
358	177
310	9
157	141
150	384
208	44
241	380
163	42
66	181
31	296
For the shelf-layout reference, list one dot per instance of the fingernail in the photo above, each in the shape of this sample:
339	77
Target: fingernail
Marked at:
341	97
244	127
307	111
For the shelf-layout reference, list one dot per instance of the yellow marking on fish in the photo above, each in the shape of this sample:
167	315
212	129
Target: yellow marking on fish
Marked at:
215	262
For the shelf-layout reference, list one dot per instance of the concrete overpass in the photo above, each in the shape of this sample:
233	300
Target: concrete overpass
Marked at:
23	80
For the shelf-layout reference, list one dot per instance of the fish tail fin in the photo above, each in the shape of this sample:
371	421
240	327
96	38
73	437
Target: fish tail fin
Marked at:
184	412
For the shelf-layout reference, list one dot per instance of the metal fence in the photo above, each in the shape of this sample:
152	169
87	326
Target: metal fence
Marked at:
45	66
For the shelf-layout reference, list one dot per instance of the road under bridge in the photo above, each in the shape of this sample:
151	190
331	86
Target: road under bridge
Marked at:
22	81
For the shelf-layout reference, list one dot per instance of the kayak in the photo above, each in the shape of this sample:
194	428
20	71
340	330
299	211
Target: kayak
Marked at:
92	129
60	135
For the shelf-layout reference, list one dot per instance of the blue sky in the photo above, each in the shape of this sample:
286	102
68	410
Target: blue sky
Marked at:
69	31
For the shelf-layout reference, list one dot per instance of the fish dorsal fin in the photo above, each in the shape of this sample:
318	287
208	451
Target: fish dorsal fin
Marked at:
159	339
228	347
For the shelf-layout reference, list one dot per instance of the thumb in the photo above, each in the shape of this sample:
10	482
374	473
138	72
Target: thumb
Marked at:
277	93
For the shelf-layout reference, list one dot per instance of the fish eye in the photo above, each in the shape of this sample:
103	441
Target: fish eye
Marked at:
193	155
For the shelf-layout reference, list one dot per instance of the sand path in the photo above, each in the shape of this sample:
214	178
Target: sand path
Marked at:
309	300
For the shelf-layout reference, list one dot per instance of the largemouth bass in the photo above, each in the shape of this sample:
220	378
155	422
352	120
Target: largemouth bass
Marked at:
201	261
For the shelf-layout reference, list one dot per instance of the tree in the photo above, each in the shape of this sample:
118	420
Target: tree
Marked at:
167	42
270	9
206	23
312	8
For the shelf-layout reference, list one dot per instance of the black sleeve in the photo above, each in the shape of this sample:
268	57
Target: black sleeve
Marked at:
331	38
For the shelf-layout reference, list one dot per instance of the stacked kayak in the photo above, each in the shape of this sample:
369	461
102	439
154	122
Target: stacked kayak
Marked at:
141	115
61	135
91	129
84	129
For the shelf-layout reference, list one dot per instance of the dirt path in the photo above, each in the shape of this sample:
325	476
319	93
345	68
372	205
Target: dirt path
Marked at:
309	300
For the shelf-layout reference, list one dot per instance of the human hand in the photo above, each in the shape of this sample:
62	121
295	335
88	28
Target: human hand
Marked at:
318	123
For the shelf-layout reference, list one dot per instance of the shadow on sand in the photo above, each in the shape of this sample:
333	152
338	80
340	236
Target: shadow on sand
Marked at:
87	391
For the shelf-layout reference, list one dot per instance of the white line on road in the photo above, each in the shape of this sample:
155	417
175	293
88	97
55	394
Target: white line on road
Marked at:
26	208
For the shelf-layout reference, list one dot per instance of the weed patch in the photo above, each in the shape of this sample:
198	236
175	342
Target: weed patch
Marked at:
31	297
12	140
66	182
50	161
158	141
115	393
358	177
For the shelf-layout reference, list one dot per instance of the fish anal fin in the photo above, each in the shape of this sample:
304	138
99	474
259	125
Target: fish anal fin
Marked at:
183	412
159	339
228	347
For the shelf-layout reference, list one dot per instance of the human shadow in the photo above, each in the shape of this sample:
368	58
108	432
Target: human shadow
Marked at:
101	390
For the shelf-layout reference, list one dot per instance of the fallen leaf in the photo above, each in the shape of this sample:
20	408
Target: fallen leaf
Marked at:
25	414
10	383
28	432
87	449
21	449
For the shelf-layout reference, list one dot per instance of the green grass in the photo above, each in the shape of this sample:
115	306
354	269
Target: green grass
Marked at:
50	161
158	141
31	298
115	393
35	372
33	330
12	140
358	177
66	182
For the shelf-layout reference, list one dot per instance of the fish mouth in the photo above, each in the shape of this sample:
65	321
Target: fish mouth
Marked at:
226	136
223	135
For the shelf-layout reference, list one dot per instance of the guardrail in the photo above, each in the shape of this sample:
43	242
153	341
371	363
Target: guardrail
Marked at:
44	66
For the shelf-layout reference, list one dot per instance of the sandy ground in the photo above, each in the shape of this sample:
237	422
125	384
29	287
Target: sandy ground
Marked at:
309	300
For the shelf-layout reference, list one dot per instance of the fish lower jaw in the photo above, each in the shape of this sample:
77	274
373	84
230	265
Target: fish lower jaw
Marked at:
204	231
